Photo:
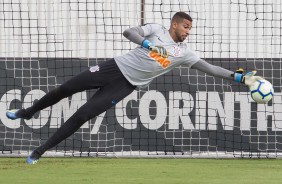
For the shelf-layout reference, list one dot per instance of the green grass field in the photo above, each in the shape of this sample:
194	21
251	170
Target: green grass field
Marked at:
122	171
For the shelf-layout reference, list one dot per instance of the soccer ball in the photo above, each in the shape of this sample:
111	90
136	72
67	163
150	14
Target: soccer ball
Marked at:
262	91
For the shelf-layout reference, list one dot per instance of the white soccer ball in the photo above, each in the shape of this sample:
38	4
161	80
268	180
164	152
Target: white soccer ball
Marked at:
262	91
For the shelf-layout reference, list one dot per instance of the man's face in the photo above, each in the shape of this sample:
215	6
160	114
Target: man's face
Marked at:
182	29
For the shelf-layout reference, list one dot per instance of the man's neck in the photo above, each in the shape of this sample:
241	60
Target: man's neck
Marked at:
172	35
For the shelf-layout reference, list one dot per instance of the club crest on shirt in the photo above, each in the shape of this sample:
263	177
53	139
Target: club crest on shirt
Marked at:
176	51
94	68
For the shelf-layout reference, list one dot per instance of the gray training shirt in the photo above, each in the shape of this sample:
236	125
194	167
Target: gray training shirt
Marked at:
140	66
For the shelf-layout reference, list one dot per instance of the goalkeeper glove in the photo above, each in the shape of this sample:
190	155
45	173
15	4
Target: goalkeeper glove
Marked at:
249	79
160	50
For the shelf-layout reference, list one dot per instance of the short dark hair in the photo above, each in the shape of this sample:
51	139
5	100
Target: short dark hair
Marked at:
179	16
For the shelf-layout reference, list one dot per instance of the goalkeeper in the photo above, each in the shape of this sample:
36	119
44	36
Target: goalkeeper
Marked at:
159	51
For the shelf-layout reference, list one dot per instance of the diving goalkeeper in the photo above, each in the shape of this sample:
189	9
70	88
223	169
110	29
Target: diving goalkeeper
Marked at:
159	51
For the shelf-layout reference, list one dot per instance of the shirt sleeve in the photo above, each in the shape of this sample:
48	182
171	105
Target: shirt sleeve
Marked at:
134	34
150	29
213	70
191	58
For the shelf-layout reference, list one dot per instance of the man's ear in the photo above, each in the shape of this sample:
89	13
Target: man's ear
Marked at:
174	24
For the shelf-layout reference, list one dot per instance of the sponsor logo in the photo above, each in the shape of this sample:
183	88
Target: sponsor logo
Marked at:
162	61
160	39
176	51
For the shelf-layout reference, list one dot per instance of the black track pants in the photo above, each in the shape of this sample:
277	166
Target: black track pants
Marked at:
112	87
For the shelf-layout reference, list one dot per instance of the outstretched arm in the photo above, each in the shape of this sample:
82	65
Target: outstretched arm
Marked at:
248	79
213	70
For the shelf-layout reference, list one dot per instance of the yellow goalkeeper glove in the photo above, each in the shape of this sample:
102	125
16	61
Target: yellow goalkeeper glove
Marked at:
160	50
249	79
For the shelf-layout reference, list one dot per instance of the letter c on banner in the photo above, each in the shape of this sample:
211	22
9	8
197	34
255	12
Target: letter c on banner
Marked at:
121	115
5	103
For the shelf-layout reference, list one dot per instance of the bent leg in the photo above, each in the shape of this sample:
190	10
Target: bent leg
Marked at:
88	79
83	81
74	85
100	102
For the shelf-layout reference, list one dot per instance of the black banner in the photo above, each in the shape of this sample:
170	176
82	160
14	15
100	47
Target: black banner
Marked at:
184	111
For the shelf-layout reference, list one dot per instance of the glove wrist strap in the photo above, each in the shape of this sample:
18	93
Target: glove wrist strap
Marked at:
238	77
146	43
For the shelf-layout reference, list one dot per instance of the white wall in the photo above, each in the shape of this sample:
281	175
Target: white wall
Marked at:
58	28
